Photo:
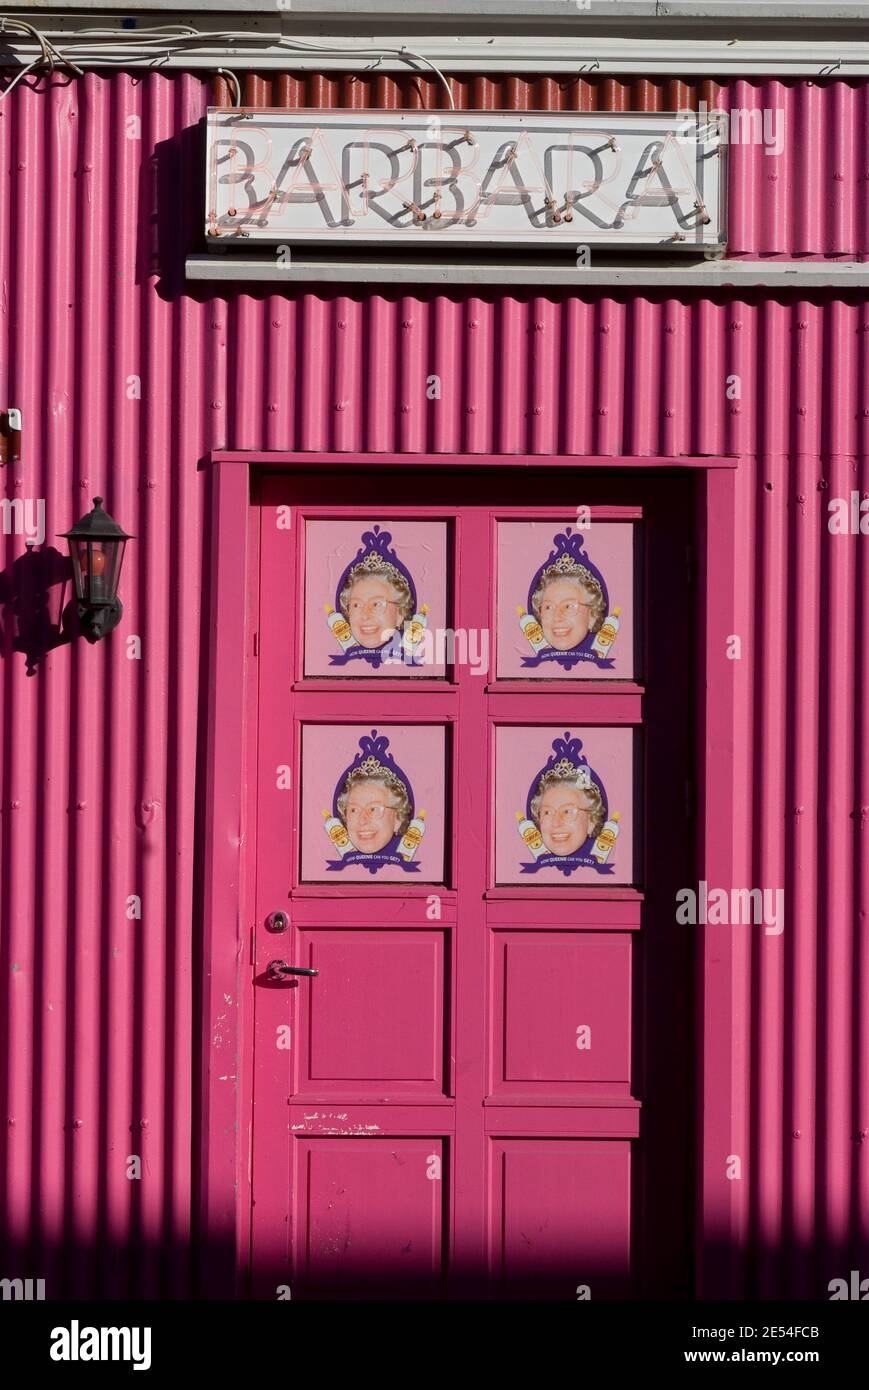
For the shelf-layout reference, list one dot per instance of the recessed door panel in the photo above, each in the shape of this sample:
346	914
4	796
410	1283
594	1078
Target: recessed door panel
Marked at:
370	1216
374	1017
562	1005
562	1217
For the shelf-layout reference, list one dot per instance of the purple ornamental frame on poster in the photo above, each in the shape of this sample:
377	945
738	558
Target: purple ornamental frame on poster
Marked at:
372	760
568	764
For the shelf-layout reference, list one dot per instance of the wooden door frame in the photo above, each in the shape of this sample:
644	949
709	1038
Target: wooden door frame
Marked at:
223	1084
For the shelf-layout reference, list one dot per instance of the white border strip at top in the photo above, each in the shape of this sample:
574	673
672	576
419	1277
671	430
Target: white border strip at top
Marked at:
575	57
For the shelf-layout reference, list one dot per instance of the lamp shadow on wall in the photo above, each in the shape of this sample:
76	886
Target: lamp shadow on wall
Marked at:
33	617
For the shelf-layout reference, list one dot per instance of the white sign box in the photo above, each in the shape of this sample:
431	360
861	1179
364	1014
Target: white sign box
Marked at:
476	178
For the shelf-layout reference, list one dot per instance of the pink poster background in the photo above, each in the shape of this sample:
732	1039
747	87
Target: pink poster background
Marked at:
520	753
420	752
523	547
330	546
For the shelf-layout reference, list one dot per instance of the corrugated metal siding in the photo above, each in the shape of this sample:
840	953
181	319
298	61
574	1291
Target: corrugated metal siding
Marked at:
100	202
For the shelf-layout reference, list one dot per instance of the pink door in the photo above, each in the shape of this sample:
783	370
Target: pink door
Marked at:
473	816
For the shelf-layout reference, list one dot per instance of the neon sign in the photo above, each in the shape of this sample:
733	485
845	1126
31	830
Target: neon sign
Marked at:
465	178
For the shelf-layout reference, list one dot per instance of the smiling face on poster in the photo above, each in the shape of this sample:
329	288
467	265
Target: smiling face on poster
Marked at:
373	802
565	601
564	805
374	593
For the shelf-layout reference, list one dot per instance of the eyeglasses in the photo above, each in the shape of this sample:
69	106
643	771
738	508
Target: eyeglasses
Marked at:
570	607
568	813
376	606
374	812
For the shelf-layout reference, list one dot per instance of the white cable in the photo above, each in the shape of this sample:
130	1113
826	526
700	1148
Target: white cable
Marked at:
18	76
174	37
50	54
224	72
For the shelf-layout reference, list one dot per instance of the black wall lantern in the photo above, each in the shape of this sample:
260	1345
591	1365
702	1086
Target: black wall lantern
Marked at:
96	545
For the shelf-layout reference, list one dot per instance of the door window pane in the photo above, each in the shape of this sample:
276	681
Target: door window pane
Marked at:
564	805
566	601
375	594
373	803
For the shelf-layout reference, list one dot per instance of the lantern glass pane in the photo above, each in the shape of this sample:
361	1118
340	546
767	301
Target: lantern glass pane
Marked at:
114	559
95	559
75	549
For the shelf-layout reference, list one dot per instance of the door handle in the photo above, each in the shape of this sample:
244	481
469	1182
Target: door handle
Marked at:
277	969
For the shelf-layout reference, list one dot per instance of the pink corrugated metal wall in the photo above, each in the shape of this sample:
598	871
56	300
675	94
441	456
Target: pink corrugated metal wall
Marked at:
126	378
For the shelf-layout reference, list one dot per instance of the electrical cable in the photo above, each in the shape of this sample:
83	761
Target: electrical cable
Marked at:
174	38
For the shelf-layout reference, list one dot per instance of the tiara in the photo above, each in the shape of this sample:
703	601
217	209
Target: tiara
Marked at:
566	565
563	768
371	765
373	561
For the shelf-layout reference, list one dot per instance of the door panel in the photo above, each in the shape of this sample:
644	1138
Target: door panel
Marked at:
379	1015
562	1217
486	1089
562	1007
370	1216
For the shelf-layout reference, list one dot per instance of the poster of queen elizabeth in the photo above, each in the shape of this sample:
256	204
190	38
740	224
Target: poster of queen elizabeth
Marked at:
564	805
373	802
567	618
371	589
